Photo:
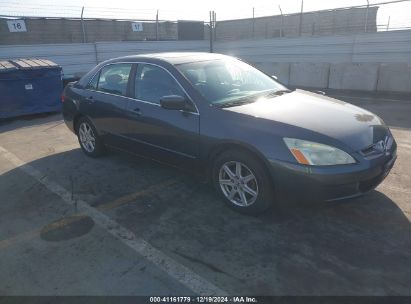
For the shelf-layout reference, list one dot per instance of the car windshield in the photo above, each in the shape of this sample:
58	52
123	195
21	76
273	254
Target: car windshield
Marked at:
226	82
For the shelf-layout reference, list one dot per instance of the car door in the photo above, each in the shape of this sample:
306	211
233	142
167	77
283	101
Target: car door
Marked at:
169	134
106	101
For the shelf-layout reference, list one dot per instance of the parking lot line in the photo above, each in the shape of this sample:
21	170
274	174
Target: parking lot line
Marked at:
34	233
131	197
19	238
181	273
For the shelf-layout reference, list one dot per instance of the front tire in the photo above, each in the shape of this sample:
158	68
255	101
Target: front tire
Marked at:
88	138
243	182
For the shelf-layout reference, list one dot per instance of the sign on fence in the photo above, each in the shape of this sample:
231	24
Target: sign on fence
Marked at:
137	26
16	25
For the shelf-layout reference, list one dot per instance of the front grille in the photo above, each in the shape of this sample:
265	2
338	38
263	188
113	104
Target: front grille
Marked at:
368	151
379	147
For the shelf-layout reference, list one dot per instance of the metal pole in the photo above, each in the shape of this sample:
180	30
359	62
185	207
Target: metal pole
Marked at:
215	25
366	16
314	24
82	25
211	31
253	23
388	24
301	18
281	22
157	26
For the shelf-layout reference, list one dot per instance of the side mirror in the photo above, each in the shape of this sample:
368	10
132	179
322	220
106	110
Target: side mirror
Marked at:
173	102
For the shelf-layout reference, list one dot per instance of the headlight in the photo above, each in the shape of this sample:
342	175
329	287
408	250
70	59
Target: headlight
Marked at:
312	153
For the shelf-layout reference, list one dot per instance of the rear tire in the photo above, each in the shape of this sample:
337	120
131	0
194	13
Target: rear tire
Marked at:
88	138
243	182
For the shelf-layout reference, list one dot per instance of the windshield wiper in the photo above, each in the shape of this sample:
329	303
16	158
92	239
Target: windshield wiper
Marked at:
251	98
278	93
237	102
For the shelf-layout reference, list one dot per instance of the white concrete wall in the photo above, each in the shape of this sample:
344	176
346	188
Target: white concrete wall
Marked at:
78	58
369	62
394	77
75	57
107	50
313	75
354	76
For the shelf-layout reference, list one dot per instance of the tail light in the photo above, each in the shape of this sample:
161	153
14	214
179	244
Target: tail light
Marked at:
63	98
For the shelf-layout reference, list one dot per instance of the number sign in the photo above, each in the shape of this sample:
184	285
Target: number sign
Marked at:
137	26
16	25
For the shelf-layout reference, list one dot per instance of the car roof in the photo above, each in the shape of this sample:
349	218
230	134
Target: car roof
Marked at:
174	57
171	58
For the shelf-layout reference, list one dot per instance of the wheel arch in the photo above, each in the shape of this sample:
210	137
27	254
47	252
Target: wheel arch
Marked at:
76	118
220	148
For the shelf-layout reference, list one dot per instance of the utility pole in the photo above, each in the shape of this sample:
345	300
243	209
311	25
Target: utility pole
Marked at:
215	25
157	26
366	16
301	18
281	21
211	31
253	22
82	25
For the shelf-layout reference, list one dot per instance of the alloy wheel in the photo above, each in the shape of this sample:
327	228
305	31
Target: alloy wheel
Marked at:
87	138
238	183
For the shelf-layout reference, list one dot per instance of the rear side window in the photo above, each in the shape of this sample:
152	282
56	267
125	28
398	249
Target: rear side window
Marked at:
113	79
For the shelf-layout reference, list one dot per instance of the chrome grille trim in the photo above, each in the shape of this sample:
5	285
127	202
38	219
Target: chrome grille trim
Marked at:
379	147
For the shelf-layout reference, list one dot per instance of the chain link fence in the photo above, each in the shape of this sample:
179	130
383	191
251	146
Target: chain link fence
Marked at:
22	23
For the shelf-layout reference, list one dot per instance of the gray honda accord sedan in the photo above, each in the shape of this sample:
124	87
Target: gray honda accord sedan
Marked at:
231	123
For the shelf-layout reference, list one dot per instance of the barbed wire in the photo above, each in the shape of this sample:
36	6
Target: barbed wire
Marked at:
19	9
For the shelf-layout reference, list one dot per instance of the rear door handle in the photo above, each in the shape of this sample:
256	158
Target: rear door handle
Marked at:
137	111
90	99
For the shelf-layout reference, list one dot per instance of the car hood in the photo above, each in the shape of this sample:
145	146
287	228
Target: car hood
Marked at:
331	117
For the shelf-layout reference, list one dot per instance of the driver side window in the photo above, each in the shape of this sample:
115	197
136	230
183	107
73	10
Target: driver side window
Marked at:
152	83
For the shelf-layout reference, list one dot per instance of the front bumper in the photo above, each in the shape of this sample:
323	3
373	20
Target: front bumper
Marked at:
331	183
